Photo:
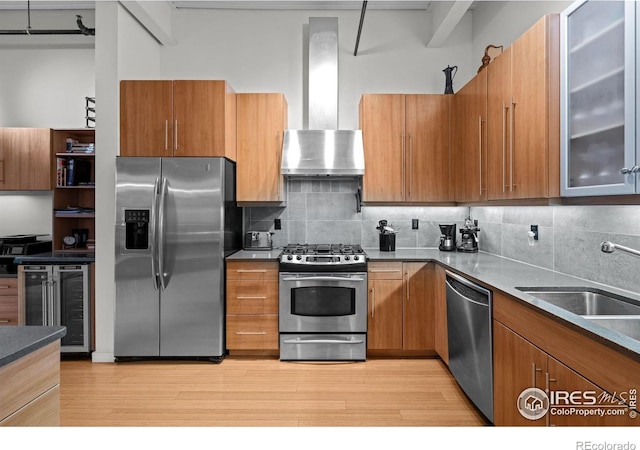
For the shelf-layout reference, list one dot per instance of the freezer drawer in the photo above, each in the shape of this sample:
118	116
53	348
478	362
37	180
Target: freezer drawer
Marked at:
323	347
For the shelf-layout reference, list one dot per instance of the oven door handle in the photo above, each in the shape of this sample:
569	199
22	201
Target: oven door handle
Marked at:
316	278
321	341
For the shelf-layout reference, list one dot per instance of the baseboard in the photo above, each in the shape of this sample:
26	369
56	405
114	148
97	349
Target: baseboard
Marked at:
100	357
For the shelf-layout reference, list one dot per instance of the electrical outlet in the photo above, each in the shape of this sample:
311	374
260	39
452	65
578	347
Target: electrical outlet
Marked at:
414	224
277	224
534	228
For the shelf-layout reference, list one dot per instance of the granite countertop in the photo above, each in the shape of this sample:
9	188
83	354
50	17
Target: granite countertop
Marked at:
256	255
58	257
16	342
504	274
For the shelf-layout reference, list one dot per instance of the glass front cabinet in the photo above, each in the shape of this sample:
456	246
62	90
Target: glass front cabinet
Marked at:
599	154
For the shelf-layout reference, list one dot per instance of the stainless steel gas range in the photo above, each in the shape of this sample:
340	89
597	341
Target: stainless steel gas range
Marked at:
323	303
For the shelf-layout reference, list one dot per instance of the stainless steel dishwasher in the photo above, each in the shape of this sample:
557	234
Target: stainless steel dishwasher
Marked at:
470	340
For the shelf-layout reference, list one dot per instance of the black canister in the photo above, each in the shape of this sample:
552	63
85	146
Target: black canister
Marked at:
387	242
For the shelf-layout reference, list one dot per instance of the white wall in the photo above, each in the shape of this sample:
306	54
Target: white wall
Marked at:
124	50
26	213
264	51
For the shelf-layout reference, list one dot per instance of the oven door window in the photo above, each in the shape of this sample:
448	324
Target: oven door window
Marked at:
323	301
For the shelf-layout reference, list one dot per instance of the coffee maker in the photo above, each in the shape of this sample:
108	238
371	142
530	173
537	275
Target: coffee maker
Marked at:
469	233
448	238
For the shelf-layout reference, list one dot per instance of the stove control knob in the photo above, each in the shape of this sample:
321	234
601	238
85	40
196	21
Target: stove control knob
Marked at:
347	258
299	258
289	257
356	257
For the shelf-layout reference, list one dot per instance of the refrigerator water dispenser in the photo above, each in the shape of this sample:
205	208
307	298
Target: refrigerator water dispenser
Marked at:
137	229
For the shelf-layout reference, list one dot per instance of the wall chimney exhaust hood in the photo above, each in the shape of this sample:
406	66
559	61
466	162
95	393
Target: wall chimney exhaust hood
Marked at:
323	150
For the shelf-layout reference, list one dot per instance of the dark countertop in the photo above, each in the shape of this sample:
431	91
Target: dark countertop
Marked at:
16	342
58	257
503	274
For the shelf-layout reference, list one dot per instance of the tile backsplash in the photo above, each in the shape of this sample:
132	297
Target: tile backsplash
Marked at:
324	211
569	239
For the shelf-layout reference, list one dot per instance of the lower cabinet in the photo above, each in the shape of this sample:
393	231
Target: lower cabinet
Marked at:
30	389
9	301
569	398
440	329
252	305
401	307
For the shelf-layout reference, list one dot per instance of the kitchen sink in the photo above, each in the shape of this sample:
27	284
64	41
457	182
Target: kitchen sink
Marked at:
585	301
629	326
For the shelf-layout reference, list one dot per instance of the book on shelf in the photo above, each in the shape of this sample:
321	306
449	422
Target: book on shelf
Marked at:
73	210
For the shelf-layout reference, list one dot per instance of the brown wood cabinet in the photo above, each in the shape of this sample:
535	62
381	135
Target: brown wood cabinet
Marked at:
77	194
406	145
401	307
532	350
9	301
25	159
262	119
252	305
177	118
523	115
470	140
440	329
519	365
30	389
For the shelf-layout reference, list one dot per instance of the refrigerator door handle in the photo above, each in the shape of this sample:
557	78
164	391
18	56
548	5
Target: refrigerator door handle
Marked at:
160	238
154	230
53	304
44	301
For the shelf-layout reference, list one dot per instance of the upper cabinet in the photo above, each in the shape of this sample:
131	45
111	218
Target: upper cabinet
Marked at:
262	119
523	116
25	156
177	118
406	145
470	140
599	120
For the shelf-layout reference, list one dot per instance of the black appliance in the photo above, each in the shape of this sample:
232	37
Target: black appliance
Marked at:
448	238
19	245
469	233
323	303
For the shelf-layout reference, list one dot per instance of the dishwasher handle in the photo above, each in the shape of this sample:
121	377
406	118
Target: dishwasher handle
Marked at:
469	290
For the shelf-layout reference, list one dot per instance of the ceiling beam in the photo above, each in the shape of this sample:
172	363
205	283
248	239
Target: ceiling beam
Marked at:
155	17
445	16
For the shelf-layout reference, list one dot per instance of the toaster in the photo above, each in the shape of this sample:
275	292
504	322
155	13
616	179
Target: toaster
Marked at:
258	240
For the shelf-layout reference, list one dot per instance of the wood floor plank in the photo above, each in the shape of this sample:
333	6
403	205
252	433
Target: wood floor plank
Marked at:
245	391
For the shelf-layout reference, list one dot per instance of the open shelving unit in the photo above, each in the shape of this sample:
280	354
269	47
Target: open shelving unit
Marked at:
73	204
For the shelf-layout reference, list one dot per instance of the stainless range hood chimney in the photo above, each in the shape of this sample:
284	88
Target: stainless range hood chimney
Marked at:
323	150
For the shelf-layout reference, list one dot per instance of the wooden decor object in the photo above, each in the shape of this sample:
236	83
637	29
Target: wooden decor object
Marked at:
489	54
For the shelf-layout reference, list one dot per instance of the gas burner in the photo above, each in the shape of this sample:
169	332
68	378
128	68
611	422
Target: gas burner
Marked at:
328	257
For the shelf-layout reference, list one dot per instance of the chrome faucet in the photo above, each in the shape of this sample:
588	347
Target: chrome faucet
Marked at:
609	247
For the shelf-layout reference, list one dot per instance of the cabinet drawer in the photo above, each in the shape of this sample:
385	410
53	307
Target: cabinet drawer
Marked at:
8	310
8	287
252	332
252	297
44	411
385	270
249	270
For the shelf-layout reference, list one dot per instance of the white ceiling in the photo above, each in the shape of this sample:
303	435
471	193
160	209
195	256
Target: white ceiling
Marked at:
236	4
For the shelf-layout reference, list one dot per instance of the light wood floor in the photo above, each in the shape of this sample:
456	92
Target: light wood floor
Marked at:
244	391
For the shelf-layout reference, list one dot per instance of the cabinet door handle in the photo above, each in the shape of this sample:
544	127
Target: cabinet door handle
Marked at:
166	134
2	171
4	321
385	270
279	159
534	369
505	108
4	286
246	297
404	168
251	333
547	381
251	271
480	151
373	302
410	164
175	130
408	287
511	128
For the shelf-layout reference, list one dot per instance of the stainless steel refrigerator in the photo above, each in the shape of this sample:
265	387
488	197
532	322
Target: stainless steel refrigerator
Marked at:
176	220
